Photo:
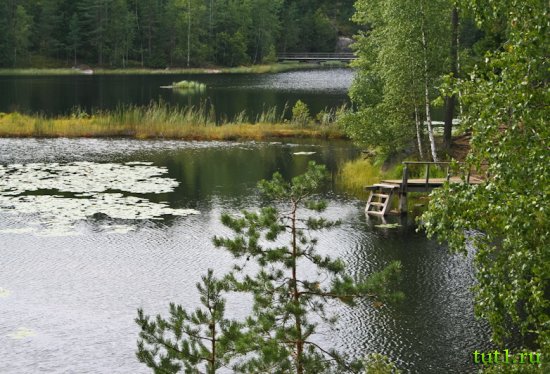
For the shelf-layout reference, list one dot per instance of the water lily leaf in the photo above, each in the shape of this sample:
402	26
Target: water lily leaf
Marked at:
21	333
4	292
304	153
89	182
388	226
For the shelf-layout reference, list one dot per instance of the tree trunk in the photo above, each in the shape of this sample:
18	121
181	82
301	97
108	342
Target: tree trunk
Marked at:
188	32
210	21
296	296
426	85
213	344
418	132
450	102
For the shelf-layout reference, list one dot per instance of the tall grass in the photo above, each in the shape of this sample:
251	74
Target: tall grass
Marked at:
355	175
159	120
253	69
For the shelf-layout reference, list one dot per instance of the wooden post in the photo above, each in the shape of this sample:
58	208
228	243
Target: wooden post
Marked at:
403	191
448	173
427	176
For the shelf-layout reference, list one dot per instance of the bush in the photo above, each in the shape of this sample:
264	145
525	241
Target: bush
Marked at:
300	113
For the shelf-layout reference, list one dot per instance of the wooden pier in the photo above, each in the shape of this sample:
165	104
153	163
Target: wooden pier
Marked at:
381	194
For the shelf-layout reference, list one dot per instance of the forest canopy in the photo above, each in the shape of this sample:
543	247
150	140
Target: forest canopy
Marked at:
163	33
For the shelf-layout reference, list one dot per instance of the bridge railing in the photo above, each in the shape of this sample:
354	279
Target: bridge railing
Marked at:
316	55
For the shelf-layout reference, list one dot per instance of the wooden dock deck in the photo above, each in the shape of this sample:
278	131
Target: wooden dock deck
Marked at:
419	184
381	193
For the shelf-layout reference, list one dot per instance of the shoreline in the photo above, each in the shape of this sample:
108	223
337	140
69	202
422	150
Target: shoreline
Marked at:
159	125
253	69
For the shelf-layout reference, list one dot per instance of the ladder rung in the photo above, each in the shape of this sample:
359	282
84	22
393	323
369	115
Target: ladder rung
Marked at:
380	195
375	213
383	185
377	204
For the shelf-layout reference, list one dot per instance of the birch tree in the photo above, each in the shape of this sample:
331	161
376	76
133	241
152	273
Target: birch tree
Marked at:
399	63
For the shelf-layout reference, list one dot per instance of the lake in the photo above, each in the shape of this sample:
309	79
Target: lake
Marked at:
92	229
230	94
71	286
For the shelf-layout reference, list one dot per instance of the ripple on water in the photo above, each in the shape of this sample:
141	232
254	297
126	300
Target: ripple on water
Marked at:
79	294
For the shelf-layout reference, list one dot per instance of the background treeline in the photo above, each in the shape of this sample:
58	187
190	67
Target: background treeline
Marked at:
161	33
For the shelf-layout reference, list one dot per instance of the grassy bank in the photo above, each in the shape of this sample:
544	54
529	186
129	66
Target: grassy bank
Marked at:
159	121
254	69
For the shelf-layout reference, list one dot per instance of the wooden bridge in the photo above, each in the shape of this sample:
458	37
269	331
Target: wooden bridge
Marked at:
316	57
381	193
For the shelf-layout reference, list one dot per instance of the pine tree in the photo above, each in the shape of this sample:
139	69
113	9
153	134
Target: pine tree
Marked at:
280	327
74	37
22	25
199	341
279	334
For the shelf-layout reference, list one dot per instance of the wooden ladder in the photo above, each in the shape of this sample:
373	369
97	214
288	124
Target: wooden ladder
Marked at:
379	200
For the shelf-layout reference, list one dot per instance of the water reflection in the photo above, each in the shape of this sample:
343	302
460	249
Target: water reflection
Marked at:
229	93
78	295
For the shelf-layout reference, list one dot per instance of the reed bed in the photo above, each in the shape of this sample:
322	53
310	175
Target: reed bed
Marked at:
253	69
160	121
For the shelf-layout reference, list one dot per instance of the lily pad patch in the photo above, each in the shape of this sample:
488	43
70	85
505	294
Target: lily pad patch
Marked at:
90	188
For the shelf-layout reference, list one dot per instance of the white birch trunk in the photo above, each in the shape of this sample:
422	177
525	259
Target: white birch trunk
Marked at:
426	86
418	131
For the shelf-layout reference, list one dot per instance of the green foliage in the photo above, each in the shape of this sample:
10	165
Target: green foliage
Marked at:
187	340
279	239
279	335
516	369
379	364
300	113
400	58
165	33
506	218
21	32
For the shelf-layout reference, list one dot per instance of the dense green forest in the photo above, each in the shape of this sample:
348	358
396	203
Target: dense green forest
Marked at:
162	33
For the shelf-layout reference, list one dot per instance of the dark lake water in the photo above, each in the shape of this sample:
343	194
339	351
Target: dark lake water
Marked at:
229	93
71	280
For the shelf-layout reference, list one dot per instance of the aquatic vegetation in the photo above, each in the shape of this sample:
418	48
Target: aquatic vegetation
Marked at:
300	113
4	292
21	333
161	121
188	85
82	190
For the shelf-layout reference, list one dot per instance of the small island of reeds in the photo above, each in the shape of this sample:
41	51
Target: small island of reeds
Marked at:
187	85
161	121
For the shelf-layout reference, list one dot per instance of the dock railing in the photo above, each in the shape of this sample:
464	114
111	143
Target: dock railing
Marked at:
428	164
